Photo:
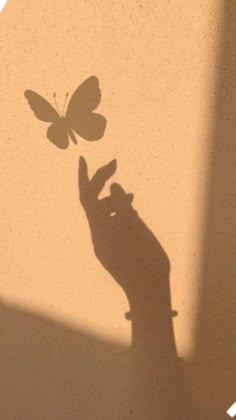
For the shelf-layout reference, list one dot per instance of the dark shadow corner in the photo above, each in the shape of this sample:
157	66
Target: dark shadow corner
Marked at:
213	367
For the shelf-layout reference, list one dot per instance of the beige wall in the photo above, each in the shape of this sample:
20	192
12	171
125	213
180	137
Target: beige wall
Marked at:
158	65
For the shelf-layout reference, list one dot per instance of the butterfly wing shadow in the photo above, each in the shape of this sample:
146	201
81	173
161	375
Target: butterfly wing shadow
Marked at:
90	127
57	132
80	116
41	108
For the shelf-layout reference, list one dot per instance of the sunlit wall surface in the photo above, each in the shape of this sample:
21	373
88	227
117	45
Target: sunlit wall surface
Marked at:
166	72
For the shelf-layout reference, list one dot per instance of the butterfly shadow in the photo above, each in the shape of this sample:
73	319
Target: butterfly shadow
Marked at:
78	118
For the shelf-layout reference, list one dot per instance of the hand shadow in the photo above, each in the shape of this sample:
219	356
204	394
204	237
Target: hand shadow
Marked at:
136	260
122	242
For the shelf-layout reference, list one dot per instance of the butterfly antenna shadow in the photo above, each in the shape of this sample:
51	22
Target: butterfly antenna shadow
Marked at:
55	100
66	98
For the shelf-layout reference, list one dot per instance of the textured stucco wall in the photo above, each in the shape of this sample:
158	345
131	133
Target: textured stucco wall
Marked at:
156	62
